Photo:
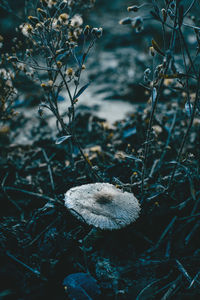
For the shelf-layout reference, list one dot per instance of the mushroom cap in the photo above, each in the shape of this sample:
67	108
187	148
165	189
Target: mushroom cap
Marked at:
102	205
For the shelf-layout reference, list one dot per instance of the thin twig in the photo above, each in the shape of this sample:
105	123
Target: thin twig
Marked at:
8	197
44	197
183	271
35	272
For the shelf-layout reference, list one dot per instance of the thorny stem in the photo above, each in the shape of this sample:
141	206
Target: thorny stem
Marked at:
187	132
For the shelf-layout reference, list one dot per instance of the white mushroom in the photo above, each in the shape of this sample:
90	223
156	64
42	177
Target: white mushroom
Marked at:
102	205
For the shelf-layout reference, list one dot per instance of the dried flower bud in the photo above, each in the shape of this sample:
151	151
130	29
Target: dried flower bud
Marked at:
39	27
42	12
147	72
126	21
134	8
76	21
34	20
83	67
70	72
29	52
12	59
64	18
26	29
164	14
50	83
151	51
47	86
137	23
97	32
51	3
59	64
43	85
86	30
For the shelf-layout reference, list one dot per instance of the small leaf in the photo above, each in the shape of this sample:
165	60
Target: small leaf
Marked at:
129	132
156	47
81	90
62	139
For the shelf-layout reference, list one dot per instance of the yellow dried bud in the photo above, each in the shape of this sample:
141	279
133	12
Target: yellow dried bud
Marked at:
33	19
69	72
86	30
83	67
43	85
38	26
63	18
59	64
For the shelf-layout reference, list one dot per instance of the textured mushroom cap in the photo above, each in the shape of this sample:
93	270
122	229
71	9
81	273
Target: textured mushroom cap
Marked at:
102	205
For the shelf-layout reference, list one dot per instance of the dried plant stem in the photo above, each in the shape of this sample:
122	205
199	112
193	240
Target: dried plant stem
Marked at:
186	133
168	60
66	131
146	149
